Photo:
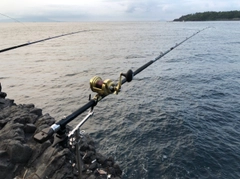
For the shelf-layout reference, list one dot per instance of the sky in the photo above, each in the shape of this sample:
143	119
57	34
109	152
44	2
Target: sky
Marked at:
111	10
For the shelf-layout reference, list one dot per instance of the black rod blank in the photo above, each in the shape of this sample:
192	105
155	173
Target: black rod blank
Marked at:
163	54
72	116
38	41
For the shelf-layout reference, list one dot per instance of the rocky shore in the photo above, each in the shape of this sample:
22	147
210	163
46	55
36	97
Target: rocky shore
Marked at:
22	157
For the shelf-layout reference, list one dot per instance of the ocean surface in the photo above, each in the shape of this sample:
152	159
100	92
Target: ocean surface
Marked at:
178	119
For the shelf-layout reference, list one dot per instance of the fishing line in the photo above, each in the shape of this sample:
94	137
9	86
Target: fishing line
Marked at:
163	54
13	19
42	40
103	89
16	21
34	42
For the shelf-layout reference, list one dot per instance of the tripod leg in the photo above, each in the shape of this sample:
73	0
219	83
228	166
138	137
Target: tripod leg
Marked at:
78	158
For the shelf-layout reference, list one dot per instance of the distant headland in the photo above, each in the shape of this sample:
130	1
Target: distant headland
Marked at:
211	16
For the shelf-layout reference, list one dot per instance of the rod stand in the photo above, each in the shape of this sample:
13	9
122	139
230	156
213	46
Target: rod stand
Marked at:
78	158
60	138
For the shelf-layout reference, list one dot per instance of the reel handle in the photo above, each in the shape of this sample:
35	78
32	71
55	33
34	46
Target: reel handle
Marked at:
106	87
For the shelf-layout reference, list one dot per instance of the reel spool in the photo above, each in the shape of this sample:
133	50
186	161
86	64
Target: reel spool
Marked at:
106	87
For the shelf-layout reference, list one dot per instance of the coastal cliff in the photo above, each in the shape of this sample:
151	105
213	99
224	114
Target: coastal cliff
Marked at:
22	157
211	16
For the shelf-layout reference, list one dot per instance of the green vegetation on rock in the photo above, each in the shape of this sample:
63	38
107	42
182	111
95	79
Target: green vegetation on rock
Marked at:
211	16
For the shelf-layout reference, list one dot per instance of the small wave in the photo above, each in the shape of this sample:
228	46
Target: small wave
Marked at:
141	79
134	56
174	60
230	43
72	74
213	94
40	60
111	57
2	78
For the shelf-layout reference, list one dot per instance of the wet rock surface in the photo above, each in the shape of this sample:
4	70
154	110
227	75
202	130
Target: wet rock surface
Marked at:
22	157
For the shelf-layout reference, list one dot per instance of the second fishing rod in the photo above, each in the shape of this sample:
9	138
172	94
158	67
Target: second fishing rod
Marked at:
103	88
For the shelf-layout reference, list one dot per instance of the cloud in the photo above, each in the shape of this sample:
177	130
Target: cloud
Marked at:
74	10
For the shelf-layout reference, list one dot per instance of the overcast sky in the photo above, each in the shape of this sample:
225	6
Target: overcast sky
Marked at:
111	10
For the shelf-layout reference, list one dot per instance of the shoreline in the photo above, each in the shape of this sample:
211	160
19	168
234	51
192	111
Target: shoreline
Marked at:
22	157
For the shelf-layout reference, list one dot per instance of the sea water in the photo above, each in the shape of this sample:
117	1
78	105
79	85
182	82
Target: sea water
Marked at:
179	118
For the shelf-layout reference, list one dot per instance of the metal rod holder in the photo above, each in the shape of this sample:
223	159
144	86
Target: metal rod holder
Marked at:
78	158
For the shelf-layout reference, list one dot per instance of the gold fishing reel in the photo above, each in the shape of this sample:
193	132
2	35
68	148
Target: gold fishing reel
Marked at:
102	88
106	87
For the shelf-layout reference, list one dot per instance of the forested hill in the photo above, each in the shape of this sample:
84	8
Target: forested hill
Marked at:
211	16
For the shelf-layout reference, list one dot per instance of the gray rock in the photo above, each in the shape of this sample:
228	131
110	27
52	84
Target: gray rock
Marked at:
30	128
93	166
28	105
3	153
45	119
3	122
3	95
118	171
84	147
5	103
22	157
36	111
92	177
6	168
100	158
111	170
18	152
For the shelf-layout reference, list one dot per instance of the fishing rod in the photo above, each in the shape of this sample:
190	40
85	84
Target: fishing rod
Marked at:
103	89
163	54
38	41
